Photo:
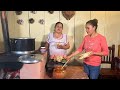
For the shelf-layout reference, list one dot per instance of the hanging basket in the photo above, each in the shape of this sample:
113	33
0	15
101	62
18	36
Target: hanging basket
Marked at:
68	14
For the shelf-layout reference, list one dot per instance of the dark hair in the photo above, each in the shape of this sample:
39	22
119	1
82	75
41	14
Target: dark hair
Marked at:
93	22
59	23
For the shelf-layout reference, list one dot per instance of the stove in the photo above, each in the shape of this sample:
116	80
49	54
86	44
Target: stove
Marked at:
7	59
10	61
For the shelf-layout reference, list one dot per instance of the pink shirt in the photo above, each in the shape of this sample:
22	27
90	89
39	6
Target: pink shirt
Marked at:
95	44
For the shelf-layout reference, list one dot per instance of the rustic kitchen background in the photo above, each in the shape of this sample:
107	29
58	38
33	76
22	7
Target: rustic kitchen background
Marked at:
108	25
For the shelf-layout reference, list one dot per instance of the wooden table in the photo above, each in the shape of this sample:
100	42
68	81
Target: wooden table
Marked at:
74	72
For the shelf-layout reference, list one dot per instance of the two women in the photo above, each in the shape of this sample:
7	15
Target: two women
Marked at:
93	42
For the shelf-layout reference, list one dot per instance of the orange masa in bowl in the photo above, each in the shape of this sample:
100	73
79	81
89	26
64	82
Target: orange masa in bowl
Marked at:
59	72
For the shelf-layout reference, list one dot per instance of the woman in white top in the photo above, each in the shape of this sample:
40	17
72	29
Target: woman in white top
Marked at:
57	43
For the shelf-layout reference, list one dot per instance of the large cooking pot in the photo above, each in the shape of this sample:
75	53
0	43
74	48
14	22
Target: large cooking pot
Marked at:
22	45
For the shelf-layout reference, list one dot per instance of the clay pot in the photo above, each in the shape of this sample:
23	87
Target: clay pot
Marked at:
68	14
59	72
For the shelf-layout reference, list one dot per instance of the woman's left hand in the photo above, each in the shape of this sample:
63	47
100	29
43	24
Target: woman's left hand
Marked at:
91	53
86	55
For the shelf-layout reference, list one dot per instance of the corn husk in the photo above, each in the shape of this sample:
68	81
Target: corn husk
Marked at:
58	58
85	55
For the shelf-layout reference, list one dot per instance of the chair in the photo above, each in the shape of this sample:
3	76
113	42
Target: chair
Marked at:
117	67
118	50
117	63
109	73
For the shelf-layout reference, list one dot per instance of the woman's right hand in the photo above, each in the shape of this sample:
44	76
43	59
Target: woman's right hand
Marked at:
68	58
60	46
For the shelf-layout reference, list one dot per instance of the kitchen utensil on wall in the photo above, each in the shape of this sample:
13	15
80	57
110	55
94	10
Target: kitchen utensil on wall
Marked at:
51	12
34	12
20	21
68	14
18	12
31	20
41	21
22	45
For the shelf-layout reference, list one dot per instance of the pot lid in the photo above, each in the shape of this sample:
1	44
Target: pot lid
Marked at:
30	58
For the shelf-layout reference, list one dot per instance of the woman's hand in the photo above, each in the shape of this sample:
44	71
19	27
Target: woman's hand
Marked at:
91	53
60	46
65	46
85	55
68	58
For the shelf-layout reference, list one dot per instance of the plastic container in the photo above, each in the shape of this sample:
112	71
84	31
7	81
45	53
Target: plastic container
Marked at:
43	50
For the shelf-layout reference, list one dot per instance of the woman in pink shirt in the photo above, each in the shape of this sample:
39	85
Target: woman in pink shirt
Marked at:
95	43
